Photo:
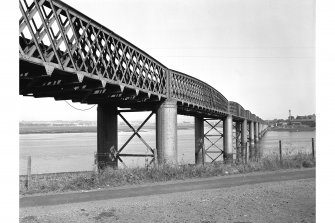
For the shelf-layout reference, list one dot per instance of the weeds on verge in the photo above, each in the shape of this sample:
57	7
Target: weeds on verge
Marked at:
118	177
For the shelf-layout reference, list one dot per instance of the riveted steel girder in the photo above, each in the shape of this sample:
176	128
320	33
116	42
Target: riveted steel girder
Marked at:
55	38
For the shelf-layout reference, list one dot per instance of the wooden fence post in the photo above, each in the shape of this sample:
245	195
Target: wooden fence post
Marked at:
313	150
280	153
28	179
246	153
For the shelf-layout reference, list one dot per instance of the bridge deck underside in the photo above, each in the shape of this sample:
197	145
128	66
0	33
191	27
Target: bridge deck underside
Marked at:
35	81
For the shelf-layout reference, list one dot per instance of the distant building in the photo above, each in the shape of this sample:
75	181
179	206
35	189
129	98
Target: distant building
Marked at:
306	120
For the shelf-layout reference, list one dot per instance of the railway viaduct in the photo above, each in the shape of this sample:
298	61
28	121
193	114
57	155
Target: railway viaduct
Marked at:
66	55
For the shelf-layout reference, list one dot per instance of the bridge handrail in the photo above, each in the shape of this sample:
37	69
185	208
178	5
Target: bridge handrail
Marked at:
194	91
236	109
92	49
88	47
107	30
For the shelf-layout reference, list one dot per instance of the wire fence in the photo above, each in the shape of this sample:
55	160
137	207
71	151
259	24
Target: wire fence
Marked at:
288	147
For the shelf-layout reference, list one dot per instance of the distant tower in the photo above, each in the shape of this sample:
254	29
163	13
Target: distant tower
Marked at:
289	115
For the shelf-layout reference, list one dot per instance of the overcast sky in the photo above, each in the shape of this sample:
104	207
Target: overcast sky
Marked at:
259	53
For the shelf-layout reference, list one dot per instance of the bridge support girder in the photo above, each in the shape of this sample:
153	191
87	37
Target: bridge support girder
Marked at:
199	140
166	132
107	135
214	138
237	140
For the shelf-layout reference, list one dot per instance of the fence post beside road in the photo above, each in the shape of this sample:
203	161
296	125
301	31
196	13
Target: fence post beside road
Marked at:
313	150
246	153
28	179
280	153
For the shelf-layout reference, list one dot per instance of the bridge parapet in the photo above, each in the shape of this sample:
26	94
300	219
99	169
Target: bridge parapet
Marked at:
247	114
236	110
188	89
242	112
253	117
54	33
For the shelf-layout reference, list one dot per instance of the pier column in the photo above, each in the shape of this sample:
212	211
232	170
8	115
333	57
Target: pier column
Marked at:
166	132
260	130
107	135
252	139
228	134
199	140
244	140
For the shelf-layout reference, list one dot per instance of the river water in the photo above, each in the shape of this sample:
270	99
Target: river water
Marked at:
68	152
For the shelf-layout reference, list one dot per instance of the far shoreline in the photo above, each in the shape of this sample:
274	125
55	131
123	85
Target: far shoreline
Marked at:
86	129
302	129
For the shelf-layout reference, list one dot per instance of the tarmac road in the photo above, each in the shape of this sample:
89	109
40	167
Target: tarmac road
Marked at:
167	188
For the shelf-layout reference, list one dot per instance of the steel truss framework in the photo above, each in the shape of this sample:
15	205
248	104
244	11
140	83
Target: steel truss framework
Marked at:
115	155
241	151
67	55
247	147
214	140
237	140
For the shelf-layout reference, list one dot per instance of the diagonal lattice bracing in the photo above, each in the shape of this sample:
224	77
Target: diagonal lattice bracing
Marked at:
53	33
237	133
247	146
118	154
214	140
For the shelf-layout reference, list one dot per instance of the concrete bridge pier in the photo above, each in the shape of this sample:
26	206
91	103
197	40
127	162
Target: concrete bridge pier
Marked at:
166	133
107	136
244	140
252	140
228	136
199	140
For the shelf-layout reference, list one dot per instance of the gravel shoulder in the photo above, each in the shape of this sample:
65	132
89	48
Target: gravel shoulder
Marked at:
282	201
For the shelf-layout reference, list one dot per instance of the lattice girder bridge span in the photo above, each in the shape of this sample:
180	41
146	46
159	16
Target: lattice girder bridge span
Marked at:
65	55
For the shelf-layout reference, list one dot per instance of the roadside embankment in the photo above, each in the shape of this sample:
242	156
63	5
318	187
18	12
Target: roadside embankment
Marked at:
62	182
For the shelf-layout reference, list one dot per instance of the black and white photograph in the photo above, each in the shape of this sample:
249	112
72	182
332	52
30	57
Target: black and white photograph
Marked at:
168	111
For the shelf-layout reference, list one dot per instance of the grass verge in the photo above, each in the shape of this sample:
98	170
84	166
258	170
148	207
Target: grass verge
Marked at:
118	177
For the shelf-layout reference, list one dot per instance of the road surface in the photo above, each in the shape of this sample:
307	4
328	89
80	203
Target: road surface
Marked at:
280	196
189	185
